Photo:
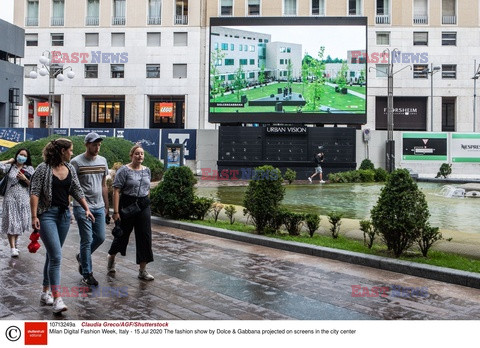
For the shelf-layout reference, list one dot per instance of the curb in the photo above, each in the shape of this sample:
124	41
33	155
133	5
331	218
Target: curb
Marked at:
443	274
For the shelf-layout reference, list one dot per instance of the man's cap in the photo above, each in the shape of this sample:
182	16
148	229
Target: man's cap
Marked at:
92	138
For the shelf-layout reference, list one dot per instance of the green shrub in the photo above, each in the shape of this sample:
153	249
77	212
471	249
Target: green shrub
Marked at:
216	209
293	222
201	207
335	219
263	195
277	220
444	171
113	149
380	175
367	164
428	236
230	212
368	231
401	212
174	196
290	175
313	223
366	175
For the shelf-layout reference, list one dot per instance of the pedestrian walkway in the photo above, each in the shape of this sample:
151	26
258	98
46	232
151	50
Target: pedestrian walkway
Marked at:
200	277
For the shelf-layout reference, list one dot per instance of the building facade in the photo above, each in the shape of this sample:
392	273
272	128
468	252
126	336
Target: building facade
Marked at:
145	63
11	73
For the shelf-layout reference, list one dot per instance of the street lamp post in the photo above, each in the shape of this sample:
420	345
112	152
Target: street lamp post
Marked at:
432	70
54	72
475	78
390	145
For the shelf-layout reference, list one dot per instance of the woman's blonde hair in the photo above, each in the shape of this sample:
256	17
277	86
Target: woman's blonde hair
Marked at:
52	152
134	148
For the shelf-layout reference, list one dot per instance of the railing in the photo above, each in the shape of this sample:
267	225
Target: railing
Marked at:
31	22
420	19
57	21
118	20
154	20
382	19
181	19
449	19
92	20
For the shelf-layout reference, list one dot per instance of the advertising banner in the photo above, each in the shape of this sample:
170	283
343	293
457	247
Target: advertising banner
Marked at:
43	109
187	137
148	138
9	137
103	132
409	113
38	133
424	146
465	147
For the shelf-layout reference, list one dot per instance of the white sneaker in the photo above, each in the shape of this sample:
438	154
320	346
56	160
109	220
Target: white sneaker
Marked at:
143	274
322	182
58	305
46	298
15	252
310	179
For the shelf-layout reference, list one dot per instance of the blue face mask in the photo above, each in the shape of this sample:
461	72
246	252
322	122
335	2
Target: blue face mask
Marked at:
21	159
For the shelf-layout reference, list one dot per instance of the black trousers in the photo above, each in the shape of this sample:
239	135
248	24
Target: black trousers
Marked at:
141	224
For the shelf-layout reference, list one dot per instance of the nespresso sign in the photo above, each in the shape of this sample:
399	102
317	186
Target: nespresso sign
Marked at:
286	130
409	113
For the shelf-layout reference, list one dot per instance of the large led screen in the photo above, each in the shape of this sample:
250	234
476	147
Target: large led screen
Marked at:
288	70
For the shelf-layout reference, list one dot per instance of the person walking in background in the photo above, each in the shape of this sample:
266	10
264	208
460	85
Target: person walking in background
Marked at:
16	207
318	168
51	184
132	184
92	171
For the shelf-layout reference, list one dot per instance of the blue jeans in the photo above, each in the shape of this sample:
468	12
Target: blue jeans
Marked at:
54	225
92	235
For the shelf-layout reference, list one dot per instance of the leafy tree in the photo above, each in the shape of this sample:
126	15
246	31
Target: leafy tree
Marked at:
367	164
341	76
230	212
313	222
290	175
335	220
217	57
289	74
174	196
428	236
239	82
368	231
263	196
261	76
401	212
315	89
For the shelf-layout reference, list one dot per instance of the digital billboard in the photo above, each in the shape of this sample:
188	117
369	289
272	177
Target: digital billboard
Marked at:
288	70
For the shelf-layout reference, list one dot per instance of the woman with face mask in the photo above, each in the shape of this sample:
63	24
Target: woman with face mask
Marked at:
16	203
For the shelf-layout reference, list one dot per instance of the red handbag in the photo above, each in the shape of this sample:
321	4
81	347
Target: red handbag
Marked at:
34	244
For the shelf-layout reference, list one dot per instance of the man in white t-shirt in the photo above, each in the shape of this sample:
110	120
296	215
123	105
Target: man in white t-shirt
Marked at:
92	171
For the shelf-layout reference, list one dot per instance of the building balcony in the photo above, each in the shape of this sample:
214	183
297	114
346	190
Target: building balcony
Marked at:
449	19
420	19
92	20
181	19
152	20
57	22
31	22
117	20
382	19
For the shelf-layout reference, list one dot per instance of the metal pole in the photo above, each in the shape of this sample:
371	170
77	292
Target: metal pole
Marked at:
390	143
475	77
51	92
431	97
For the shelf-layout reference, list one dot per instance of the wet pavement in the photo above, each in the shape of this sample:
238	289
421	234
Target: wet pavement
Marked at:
200	277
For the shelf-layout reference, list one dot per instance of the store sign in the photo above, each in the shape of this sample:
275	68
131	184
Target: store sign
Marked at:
465	147
164	109
409	113
43	109
286	130
424	146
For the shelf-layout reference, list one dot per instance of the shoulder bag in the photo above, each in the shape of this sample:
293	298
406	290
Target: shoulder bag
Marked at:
134	208
4	182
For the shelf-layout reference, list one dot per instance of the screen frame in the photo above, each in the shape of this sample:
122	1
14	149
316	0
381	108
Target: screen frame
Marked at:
287	118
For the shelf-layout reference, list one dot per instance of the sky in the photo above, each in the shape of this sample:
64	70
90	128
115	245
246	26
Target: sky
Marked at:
6	10
336	39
